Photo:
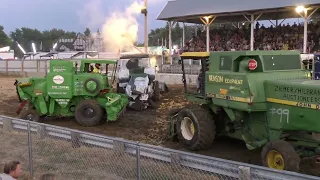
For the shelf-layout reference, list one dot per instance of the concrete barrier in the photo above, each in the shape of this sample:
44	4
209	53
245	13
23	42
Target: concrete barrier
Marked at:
170	79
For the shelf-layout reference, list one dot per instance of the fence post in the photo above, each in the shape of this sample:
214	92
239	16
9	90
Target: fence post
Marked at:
22	65
30	151
46	67
138	162
7	66
38	65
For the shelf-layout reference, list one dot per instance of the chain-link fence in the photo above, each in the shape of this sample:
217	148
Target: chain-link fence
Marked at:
71	154
39	67
177	69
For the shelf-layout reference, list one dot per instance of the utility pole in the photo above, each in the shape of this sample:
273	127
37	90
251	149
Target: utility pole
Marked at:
145	12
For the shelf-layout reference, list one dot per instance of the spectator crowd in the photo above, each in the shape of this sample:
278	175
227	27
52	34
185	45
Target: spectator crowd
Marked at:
281	37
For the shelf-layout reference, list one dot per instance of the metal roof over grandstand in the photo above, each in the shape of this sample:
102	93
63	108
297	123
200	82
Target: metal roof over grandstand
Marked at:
190	11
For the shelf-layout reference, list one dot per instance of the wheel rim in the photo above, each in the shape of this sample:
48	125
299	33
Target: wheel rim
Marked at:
275	160
187	128
91	85
88	113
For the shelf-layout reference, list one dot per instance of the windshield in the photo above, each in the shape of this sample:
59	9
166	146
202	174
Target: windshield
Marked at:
133	62
281	62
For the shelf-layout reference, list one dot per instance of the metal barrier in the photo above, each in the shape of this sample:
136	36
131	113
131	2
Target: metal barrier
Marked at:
72	154
177	69
40	66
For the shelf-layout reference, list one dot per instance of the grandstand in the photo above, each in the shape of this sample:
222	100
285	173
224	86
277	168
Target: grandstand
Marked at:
245	38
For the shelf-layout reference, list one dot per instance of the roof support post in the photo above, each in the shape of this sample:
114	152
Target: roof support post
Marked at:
281	22
171	24
207	21
252	21
273	23
306	18
183	35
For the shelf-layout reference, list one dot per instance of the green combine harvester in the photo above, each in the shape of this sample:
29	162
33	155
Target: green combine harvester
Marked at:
264	98
69	92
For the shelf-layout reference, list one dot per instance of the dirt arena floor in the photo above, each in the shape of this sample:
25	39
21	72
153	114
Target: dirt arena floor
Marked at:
150	126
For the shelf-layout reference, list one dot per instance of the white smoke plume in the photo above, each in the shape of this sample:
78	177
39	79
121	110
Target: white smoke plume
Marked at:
120	31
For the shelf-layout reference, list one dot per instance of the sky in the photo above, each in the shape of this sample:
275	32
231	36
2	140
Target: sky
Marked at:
71	15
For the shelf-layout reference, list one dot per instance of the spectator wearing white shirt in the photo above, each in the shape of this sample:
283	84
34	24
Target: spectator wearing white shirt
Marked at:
11	171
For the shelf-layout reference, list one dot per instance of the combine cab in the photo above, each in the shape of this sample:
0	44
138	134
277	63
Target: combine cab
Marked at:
136	77
65	91
264	98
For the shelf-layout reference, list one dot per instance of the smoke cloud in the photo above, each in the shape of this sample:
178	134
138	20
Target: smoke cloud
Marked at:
120	31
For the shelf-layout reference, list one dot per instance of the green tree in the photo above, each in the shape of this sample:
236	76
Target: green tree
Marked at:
87	32
25	36
156	35
4	39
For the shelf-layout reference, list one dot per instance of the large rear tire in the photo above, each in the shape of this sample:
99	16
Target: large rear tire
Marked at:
196	128
89	113
279	154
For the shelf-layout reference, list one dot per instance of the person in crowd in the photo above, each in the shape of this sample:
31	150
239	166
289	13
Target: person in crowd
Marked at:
275	37
96	68
11	171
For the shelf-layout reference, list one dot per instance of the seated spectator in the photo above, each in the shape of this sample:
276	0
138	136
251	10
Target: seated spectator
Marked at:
11	171
280	37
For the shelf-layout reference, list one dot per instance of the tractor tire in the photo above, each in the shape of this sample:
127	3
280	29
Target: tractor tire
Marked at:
89	113
156	91
196	128
279	154
29	114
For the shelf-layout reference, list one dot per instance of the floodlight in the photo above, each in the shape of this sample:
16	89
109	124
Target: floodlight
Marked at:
300	9
34	48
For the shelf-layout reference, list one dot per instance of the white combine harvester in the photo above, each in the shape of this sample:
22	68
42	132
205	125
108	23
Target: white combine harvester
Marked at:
136	77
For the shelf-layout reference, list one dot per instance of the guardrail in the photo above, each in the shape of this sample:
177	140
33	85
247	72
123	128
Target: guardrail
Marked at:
41	65
74	154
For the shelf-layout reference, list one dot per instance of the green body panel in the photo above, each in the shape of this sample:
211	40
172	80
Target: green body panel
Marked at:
294	104
276	100
64	88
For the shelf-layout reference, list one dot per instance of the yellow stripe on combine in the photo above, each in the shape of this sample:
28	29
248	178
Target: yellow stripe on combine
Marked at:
294	103
195	54
231	98
281	101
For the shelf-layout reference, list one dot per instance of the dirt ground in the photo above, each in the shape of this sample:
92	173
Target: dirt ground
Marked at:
150	126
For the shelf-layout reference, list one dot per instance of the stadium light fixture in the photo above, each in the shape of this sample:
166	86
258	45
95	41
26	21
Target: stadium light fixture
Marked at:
23	51
144	10
300	9
34	48
207	18
55	45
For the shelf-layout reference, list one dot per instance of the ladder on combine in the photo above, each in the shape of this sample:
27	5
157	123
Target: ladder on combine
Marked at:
310	62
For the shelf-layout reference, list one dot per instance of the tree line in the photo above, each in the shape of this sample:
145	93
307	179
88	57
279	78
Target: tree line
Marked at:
44	40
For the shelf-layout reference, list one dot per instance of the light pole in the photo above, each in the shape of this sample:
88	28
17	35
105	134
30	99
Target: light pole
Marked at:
144	11
303	12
